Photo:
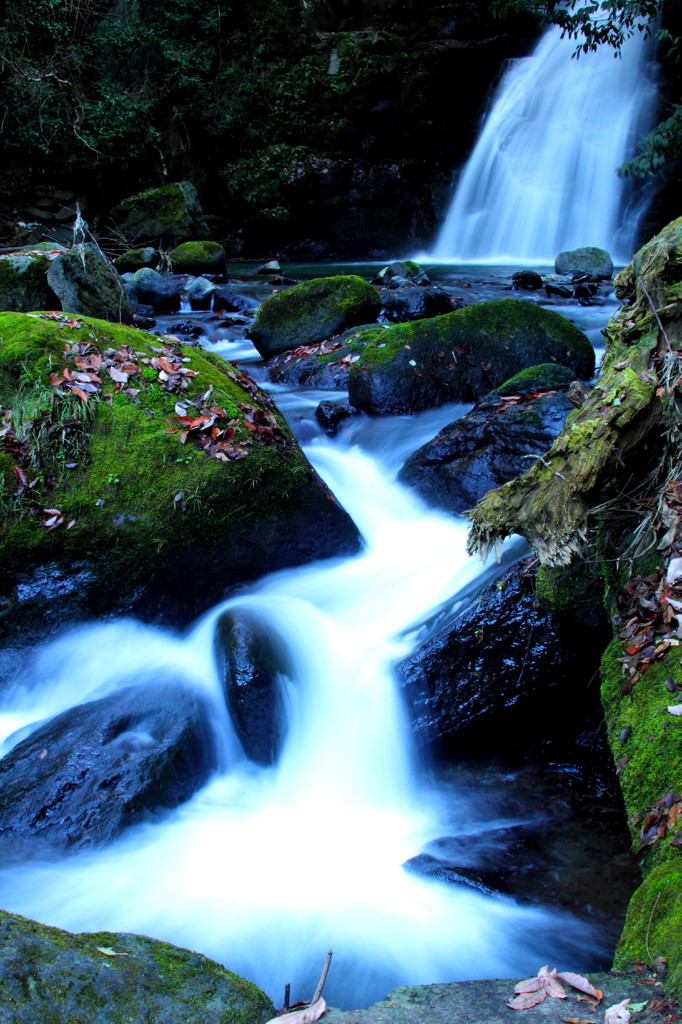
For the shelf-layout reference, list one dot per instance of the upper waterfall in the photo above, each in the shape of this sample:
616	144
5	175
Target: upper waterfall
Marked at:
542	175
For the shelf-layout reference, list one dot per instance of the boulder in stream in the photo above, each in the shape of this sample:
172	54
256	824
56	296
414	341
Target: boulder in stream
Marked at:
50	975
404	368
198	258
84	776
313	311
588	260
496	441
169	475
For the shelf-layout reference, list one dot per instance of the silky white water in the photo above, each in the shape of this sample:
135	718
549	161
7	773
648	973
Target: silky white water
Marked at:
265	869
542	178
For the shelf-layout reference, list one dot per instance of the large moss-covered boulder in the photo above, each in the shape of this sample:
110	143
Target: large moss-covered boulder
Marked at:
134	259
162	468
496	441
312	312
86	282
163	216
461	356
23	280
53	976
588	260
198	258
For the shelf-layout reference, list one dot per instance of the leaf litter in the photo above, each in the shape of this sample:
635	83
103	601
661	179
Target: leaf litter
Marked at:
532	991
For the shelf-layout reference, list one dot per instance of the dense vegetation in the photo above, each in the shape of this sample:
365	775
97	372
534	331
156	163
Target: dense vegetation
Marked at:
266	103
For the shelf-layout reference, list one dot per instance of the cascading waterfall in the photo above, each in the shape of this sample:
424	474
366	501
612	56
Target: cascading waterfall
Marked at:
264	869
542	176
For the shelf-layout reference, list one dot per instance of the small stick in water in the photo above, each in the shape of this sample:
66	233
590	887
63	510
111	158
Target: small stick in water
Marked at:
323	978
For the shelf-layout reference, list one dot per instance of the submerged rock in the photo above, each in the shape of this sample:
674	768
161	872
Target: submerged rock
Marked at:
50	975
412	303
461	356
163	216
140	487
86	283
84	776
493	443
312	312
589	260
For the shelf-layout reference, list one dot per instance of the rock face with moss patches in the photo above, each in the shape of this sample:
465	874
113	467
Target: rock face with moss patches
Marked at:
495	442
610	491
461	356
198	258
174	480
53	976
163	216
87	283
23	281
589	260
312	312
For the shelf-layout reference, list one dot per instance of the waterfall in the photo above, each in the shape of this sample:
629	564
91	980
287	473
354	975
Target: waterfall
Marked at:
542	175
264	869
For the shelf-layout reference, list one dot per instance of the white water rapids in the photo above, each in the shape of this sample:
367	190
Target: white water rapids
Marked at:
542	175
267	869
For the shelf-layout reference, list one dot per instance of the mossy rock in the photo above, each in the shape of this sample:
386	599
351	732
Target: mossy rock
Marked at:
53	976
313	311
646	741
165	216
462	355
198	258
23	283
545	377
150	514
588	260
134	260
86	283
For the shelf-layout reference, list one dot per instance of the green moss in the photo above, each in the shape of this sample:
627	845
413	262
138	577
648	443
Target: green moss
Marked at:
574	591
23	282
196	257
124	493
545	377
313	311
654	924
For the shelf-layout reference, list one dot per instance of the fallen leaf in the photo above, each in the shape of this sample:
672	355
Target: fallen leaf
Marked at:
618	1014
581	984
527	999
81	394
675	709
307	1016
108	951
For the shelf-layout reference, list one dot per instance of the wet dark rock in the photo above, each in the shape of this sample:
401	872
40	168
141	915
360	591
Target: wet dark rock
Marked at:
411	302
199	291
51	976
482	677
161	291
528	280
558	290
187	328
89	773
224	298
331	414
499	439
254	665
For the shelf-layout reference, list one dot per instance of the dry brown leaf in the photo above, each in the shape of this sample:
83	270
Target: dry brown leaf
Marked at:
529	985
618	1014
527	999
581	984
307	1016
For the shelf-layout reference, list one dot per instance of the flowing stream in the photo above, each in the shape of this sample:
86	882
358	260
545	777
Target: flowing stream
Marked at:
265	869
542	175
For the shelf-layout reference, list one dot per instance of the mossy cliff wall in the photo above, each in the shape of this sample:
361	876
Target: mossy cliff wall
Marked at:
606	499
